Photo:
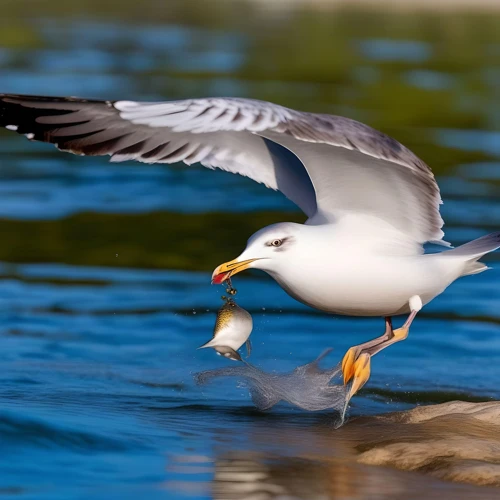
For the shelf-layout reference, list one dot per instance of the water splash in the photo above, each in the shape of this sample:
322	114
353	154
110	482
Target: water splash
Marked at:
308	386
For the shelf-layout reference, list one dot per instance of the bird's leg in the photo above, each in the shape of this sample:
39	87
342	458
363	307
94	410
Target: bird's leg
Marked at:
398	335
356	362
354	352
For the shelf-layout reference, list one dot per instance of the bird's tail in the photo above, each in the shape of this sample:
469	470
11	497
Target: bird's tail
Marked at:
471	252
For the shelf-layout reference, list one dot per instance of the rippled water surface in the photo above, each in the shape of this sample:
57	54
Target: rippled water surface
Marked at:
105	269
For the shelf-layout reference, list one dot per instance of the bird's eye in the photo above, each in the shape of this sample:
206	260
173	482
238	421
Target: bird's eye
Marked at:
276	243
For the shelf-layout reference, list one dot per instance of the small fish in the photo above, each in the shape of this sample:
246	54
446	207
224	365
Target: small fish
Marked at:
233	327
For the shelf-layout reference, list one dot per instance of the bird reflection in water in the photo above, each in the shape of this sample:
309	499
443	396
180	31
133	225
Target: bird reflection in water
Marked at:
250	476
298	456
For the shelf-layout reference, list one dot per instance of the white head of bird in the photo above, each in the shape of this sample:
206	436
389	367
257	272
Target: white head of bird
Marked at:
273	249
295	255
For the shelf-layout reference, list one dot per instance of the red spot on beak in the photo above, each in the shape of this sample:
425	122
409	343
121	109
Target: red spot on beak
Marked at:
218	279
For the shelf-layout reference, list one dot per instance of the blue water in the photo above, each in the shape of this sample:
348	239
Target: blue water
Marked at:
97	398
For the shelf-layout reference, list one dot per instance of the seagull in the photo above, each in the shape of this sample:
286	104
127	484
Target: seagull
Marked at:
370	203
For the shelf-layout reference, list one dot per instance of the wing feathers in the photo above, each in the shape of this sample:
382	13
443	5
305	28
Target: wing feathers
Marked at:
344	164
412	205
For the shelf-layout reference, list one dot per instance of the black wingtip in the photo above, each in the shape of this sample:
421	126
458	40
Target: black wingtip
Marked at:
46	119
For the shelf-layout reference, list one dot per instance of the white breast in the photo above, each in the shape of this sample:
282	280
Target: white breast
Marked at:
357	284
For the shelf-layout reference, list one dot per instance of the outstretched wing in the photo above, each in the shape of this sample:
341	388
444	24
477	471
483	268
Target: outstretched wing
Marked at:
328	165
88	127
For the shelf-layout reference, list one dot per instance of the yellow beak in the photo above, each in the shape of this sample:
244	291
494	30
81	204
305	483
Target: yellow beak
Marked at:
228	269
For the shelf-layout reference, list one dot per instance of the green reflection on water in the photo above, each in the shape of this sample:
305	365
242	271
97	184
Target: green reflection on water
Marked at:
155	240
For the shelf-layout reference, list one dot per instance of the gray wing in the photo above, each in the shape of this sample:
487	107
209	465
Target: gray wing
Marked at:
345	167
87	127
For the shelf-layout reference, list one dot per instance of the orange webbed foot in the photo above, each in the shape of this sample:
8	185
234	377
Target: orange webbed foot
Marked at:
348	363
361	373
